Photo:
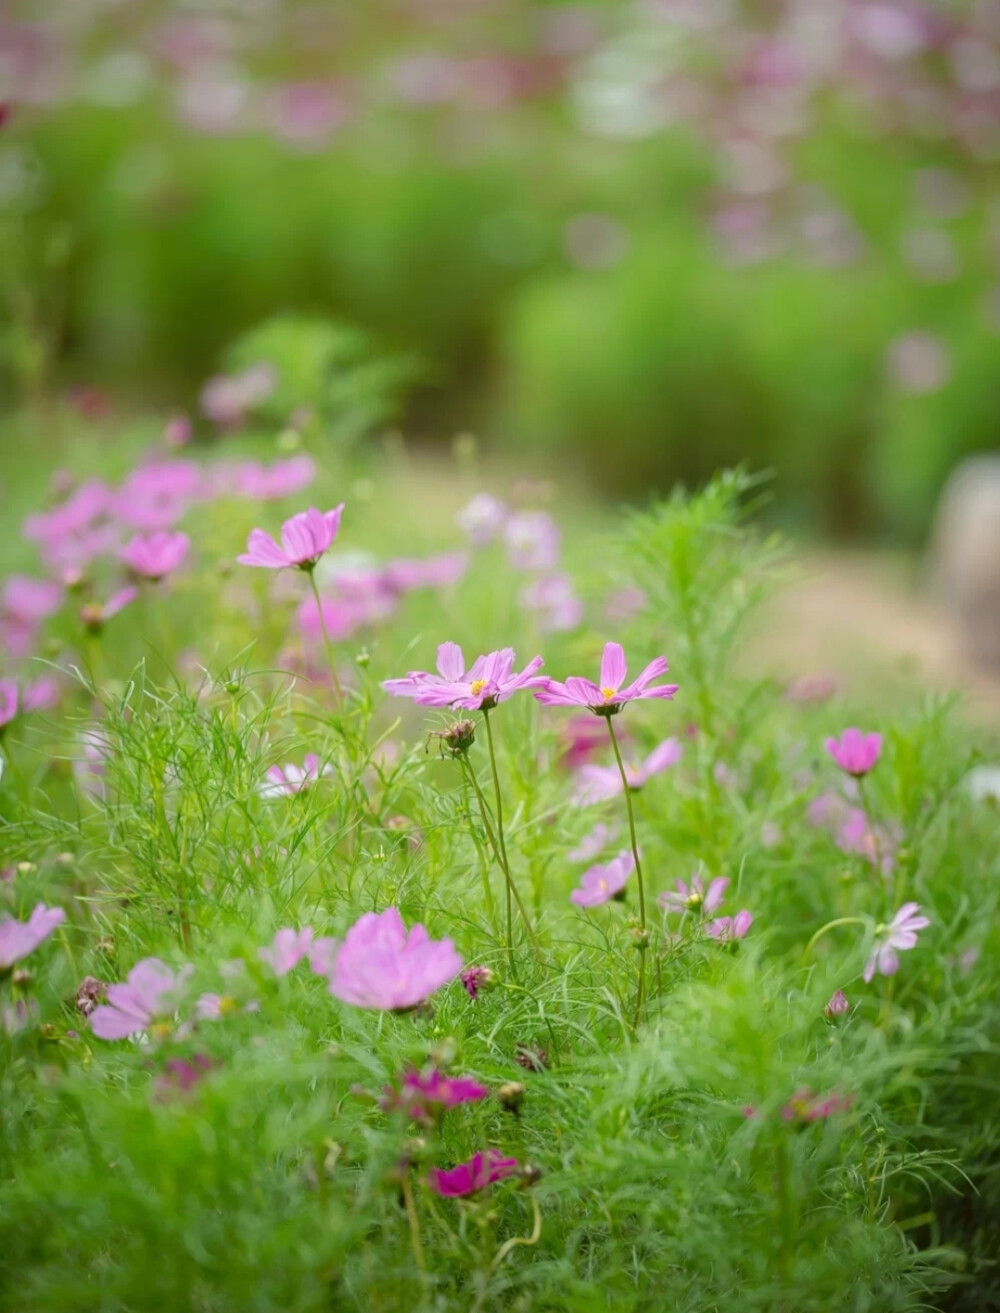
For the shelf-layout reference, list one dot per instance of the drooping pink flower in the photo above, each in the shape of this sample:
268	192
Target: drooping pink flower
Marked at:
482	519
694	897
855	752
598	783
532	539
155	555
95	615
423	1095
727	929
608	698
407	573
284	781
486	683
287	949
552	597
134	1006
382	965
304	539
280	479
594	843
475	979
466	1178
897	937
19	938
602	883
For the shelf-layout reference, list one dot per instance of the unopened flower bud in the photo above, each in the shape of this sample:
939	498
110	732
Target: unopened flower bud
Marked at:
26	868
92	617
640	938
458	738
476	979
363	658
837	1005
89	993
511	1096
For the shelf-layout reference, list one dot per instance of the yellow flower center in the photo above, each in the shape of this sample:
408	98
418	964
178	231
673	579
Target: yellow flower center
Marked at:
161	1029
227	1004
608	693
477	686
603	886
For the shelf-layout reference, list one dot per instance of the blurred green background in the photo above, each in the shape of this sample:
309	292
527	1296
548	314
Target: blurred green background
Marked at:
633	241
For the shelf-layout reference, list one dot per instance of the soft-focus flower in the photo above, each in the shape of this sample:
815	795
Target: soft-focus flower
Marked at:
837	1005
552	596
584	736
608	698
624	603
134	1006
24	604
226	398
482	519
804	1106
95	615
155	496
180	1075
177	431
895	938
486	683
19	938
407	573
304	539
382	965
532	540
602	883
475	979
29	697
423	1094
283	781
481	1170
212	1007
89	992
598	783
694	897
280	479
855	752
727	929
594	843
155	555
812	689
287	949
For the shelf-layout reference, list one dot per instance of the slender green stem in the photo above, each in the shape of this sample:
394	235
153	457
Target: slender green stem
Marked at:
830	925
502	848
484	861
641	988
330	656
414	1221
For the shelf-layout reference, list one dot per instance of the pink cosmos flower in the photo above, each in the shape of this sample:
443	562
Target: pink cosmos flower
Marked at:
594	843
727	929
475	979
895	938
598	783
602	883
341	617
585	735
558	606
424	1094
179	1076
481	1170
287	949
155	555
486	683
854	752
304	539
381	965
24	604
133	1006
623	604
155	496
95	615
408	573
30	697
282	478
532	540
812	689
19	938
609	697
694	897
482	519
227	398
284	781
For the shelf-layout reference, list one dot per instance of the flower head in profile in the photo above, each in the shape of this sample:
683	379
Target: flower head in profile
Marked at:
729	929
897	937
287	949
285	781
855	752
608	697
602	883
134	1006
598	783
424	1095
488	681
694	897
304	539
382	965
481	1170
19	938
155	555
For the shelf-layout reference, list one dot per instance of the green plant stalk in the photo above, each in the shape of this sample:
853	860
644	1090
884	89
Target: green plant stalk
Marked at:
641	988
331	658
502	849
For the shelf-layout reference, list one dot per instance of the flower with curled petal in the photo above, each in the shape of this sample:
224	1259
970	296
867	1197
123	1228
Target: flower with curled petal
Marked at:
304	539
481	1170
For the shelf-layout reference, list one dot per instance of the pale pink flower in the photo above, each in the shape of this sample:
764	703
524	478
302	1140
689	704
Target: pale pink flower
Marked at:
382	965
694	897
585	735
602	883
282	478
408	573
16	701
284	781
177	431
608	698
132	1007
594	843
727	929
624	603
532	540
855	752
482	519
287	949
813	689
24	604
598	783
304	539
19	938
552	596
227	398
467	1178
897	937
486	683
155	555
804	1106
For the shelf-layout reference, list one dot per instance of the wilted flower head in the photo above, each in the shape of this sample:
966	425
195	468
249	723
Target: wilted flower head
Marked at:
287	949
727	929
304	539
854	752
89	993
481	1170
532	540
475	979
486	683
382	965
134	1006
602	883
608	698
19	938
283	781
892	939
694	897
482	519
155	555
598	783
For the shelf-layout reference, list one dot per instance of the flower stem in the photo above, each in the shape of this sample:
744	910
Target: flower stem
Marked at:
502	849
483	858
830	925
326	639
414	1221
641	989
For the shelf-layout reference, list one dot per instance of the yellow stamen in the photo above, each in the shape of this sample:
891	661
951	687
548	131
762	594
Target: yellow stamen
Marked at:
477	686
608	693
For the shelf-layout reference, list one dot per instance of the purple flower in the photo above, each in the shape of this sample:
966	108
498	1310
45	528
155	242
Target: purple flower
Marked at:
558	605
154	497
695	897
481	1170
19	938
407	573
608	698
624	603
287	949
598	783
283	478
304	539
727	929
475	979
594	843
284	781
95	615
895	938
381	965
423	1094
602	883
854	752
155	555
488	681
25	603
133	1006
482	519
532	540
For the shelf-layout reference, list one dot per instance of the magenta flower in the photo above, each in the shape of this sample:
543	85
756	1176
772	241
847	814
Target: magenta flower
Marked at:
133	1006
287	949
155	555
481	1170
728	929
608	698
598	783
486	683
381	965
602	883
482	519
854	752
584	736
304	539
476	979
897	937
425	1094
594	843
407	573
155	496
532	540
19	938
95	615
695	897
284	781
